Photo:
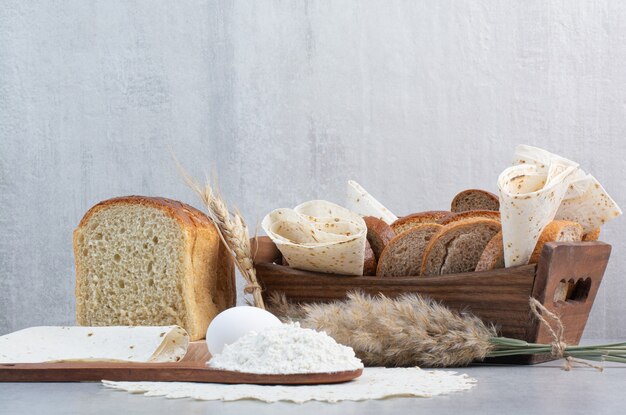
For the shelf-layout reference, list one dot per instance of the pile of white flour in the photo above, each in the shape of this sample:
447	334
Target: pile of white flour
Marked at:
286	349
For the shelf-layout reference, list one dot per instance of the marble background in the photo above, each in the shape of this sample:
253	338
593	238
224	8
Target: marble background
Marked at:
286	100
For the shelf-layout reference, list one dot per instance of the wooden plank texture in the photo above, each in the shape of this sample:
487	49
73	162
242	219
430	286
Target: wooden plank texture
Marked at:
192	368
566	264
499	296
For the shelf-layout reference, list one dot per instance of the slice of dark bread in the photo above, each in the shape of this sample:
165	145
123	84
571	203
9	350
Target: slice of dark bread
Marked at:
493	255
403	254
455	217
379	233
457	247
407	222
475	199
369	264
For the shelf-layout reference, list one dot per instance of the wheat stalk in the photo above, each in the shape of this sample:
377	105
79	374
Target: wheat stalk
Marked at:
233	232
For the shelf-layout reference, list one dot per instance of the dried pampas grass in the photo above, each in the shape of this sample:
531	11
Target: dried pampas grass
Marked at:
413	331
405	331
287	312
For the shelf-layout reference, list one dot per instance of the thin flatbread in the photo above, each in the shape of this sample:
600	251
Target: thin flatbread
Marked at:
585	202
529	200
319	236
592	207
84	344
363	203
540	187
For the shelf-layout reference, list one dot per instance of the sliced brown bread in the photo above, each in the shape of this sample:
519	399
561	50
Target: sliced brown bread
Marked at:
403	255
456	217
369	264
409	221
475	199
151	261
592	235
379	233
493	255
557	231
457	247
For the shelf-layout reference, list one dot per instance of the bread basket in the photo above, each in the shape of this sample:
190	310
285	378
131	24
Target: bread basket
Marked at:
565	280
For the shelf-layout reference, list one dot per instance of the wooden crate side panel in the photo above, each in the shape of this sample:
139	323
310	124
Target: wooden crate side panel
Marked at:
499	297
568	279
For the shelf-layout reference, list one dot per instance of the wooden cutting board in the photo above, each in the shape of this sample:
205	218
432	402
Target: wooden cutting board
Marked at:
192	368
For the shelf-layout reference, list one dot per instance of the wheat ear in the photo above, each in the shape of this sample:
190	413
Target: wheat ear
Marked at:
233	232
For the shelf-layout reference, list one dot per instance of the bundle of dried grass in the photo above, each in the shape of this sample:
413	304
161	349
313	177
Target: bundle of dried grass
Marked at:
406	331
413	331
233	231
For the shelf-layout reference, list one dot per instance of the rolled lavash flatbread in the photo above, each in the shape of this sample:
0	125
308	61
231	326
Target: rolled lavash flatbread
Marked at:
592	208
529	199
361	202
110	344
319	236
585	202
525	154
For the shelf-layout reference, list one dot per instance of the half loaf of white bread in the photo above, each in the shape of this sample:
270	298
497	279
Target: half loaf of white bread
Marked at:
147	261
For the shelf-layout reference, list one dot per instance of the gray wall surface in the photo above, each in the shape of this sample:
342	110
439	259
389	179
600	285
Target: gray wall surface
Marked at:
286	100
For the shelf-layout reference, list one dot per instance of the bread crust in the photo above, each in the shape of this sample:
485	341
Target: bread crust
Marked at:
182	212
406	222
205	297
449	231
557	230
493	254
592	235
369	264
454	205
379	233
456	217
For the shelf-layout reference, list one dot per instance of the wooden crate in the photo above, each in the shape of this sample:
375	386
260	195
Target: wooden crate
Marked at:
565	281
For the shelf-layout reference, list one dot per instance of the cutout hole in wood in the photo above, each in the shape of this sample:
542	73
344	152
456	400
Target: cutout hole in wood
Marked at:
572	290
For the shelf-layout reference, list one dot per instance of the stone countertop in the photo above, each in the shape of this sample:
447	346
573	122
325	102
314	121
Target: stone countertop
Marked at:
510	390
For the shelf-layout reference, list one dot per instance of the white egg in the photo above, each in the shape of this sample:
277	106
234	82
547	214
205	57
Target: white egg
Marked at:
231	324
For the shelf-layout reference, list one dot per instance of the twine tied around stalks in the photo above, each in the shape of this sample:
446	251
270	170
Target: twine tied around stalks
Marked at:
557	330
